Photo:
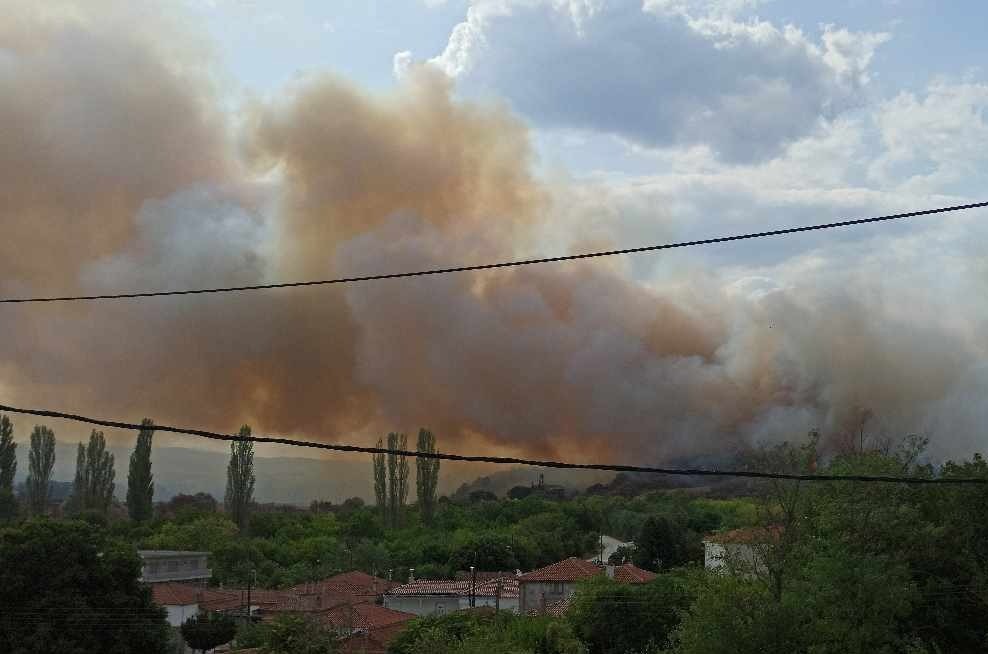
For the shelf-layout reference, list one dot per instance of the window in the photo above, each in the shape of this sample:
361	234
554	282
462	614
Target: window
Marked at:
557	587
440	608
172	566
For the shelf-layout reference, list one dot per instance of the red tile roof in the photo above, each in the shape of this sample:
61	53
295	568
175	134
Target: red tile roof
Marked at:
458	588
632	574
432	587
368	617
371	642
571	569
747	535
354	583
218	599
171	593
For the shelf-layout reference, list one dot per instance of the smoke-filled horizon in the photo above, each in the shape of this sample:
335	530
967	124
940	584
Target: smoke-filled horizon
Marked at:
123	168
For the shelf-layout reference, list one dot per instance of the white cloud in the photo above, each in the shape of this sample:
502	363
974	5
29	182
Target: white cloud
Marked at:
935	142
660	76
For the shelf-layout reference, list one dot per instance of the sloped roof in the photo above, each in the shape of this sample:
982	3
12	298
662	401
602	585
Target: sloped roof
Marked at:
458	588
170	593
364	616
217	599
747	535
353	583
632	574
571	569
432	587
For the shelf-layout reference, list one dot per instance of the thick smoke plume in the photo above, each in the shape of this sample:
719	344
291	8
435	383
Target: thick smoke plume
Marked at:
119	171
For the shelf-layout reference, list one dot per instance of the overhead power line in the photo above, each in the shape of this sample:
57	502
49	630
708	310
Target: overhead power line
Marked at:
490	266
502	460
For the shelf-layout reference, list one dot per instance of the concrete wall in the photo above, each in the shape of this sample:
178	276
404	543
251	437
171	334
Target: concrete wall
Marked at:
174	568
422	604
535	593
506	604
179	614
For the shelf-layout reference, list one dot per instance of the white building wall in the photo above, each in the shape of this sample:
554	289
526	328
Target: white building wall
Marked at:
536	593
506	603
422	604
177	614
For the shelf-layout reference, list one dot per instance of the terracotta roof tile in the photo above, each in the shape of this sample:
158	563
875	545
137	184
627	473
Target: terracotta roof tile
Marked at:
353	583
458	588
171	593
571	569
368	617
746	535
632	574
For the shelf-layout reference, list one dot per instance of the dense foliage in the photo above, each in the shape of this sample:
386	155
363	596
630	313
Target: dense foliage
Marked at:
290	546
208	630
486	631
66	587
287	634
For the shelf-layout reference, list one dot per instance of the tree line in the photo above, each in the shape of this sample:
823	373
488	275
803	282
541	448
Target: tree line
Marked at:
94	483
391	477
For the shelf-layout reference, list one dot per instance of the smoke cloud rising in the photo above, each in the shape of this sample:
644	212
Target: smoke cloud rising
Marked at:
120	171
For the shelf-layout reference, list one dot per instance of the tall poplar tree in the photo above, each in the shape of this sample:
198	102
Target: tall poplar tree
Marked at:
94	475
140	481
381	482
41	459
426	475
8	455
8	467
397	476
240	480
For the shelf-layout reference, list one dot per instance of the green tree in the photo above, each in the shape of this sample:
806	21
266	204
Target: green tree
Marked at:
8	467
94	474
74	591
288	634
41	460
663	544
8	454
208	630
397	477
140	481
381	482
613	618
240	480
426	476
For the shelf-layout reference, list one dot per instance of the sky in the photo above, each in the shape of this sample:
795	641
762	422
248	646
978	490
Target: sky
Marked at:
205	142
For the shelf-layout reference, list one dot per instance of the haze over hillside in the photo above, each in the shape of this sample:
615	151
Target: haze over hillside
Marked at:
292	480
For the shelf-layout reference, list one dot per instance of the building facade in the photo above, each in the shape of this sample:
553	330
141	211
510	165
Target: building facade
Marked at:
439	597
172	565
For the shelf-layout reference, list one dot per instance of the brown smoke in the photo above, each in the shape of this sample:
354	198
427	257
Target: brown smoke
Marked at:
116	173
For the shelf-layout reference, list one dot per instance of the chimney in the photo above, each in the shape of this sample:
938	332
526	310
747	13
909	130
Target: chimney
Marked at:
610	571
389	573
411	575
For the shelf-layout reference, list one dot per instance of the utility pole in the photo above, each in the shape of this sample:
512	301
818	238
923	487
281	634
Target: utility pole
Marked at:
250	575
473	586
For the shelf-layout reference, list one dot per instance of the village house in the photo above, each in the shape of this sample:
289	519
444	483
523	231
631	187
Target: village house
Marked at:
552	586
367	628
740	551
607	547
354	585
428	597
173	565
